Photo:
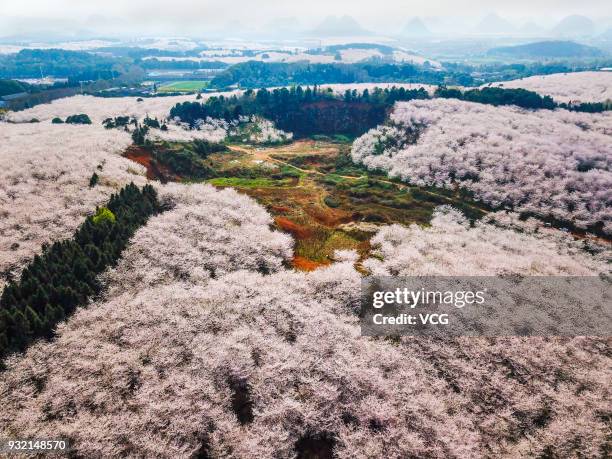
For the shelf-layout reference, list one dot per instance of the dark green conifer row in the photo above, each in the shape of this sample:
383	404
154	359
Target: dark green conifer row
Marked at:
64	276
302	111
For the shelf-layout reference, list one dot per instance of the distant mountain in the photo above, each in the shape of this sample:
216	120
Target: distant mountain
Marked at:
531	28
416	28
494	24
575	26
336	26
547	49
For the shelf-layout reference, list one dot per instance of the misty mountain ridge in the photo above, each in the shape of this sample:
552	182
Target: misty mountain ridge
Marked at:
339	26
416	28
575	26
284	23
494	24
547	49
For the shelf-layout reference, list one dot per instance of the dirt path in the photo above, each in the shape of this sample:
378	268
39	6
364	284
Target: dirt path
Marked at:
265	155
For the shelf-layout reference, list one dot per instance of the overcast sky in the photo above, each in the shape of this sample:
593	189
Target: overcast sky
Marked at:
181	17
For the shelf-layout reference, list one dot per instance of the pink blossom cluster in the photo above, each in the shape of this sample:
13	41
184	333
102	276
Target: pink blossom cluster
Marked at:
100	108
44	183
201	299
258	130
450	246
568	87
551	164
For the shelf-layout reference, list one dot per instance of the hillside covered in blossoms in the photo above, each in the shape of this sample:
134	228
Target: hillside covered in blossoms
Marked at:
227	325
553	164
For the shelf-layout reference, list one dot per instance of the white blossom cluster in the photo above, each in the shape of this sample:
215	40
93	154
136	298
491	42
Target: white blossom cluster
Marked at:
210	129
450	246
568	87
147	370
207	233
202	298
258	130
548	163
100	108
248	129
44	183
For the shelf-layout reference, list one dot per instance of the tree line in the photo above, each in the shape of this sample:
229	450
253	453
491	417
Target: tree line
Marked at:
303	111
499	96
308	111
255	74
64	276
519	97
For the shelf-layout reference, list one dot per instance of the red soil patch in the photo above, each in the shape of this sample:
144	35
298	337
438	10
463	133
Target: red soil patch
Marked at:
143	156
328	216
300	232
305	264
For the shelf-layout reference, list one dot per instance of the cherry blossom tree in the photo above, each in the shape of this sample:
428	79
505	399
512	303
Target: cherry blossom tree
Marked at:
551	164
45	190
568	87
205	344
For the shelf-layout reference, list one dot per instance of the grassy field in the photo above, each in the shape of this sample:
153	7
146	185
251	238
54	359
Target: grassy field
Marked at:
183	86
315	193
248	182
326	202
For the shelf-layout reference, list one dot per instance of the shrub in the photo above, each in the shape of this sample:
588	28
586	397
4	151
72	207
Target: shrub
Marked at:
185	163
93	181
342	138
330	201
78	119
118	121
103	214
139	136
204	148
152	123
57	120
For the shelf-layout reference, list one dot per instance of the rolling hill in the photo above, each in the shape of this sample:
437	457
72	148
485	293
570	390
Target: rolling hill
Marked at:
547	49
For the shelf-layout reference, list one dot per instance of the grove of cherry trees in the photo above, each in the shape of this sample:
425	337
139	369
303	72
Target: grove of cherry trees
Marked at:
44	183
205	343
451	247
568	87
100	108
552	164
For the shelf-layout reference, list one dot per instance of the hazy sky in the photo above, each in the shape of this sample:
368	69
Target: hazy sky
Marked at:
191	16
